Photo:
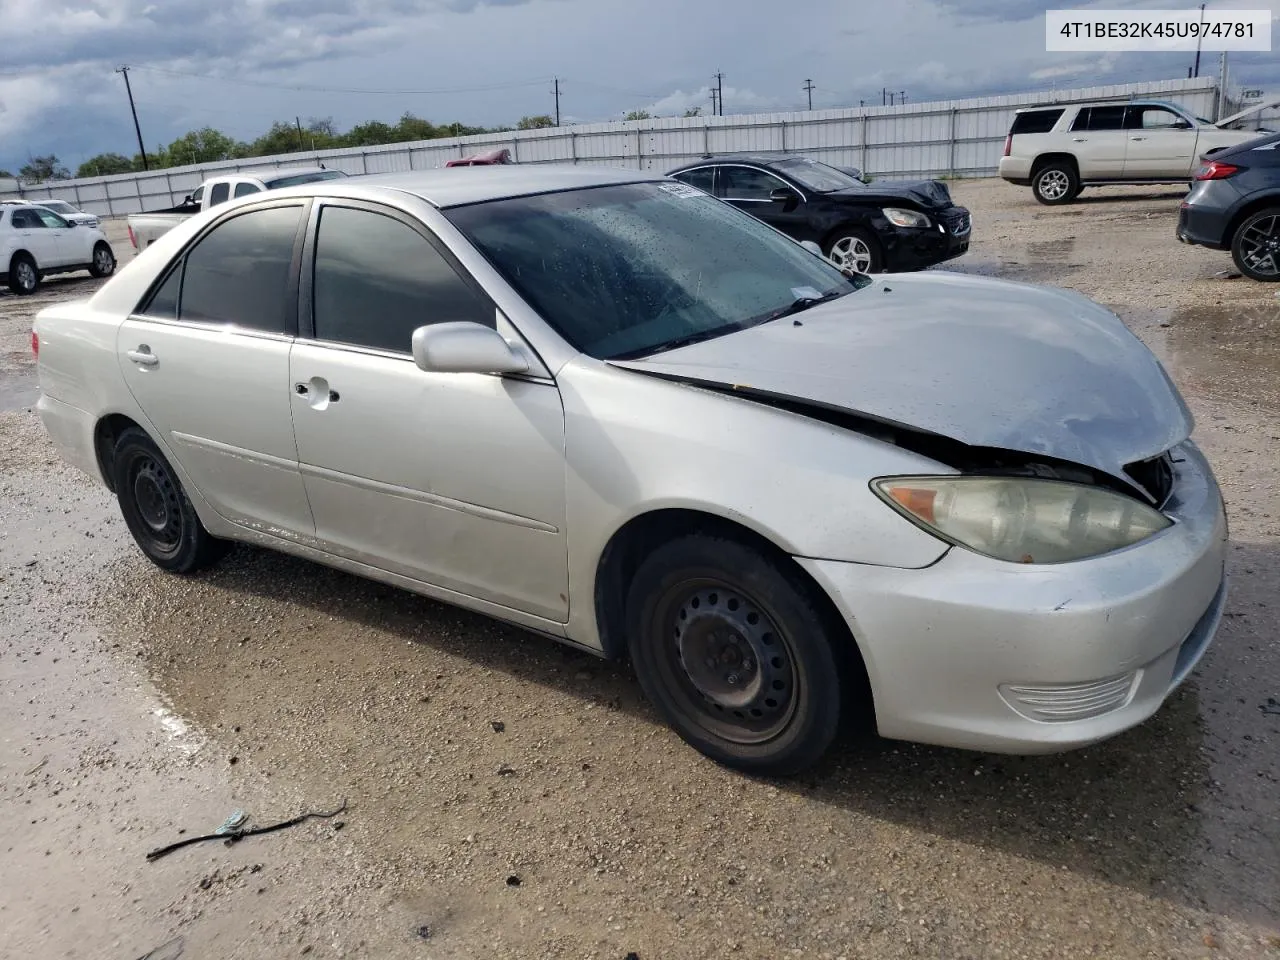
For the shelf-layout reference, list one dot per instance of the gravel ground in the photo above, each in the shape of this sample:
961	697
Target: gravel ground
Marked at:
512	798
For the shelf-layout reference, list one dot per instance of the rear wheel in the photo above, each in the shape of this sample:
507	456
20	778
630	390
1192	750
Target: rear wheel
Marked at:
24	278
1256	246
104	261
156	509
735	654
1056	183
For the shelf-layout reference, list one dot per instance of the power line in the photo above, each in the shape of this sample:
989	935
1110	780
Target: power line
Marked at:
134	110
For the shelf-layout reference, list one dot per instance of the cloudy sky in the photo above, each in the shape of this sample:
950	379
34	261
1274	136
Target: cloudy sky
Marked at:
240	64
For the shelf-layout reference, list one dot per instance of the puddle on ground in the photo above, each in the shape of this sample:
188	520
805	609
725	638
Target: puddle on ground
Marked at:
1042	261
1227	351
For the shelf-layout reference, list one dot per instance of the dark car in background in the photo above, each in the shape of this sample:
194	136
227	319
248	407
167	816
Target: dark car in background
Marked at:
1234	204
870	228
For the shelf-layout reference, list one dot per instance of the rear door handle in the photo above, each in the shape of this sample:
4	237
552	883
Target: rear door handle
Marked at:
143	356
1137	138
1079	139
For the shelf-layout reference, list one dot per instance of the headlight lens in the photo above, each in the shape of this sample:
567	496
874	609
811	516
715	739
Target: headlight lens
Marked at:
1022	520
906	218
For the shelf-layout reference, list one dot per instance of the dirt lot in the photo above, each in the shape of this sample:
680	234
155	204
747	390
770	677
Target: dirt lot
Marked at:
135	706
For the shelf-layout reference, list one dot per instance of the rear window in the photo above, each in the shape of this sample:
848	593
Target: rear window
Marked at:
1035	121
279	183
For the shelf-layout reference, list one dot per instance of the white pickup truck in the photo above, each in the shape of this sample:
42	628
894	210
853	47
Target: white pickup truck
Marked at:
144	228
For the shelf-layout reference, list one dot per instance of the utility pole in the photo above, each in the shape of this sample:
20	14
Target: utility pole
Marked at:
1195	71
557	92
808	88
891	96
884	97
134	110
1222	88
720	91
902	96
302	144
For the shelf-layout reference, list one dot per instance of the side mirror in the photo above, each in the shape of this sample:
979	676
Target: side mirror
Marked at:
783	195
1182	124
811	247
464	347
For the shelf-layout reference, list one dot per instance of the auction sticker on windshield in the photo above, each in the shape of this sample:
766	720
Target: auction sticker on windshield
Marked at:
682	190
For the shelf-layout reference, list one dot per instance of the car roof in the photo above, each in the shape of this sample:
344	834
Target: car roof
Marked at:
1136	102
763	159
458	186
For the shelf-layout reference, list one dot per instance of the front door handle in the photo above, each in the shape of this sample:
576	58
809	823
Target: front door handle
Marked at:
316	392
1079	139
143	356
1137	138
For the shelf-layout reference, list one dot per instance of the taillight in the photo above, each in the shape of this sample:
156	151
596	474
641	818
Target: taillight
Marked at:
35	345
1008	145
1213	170
133	239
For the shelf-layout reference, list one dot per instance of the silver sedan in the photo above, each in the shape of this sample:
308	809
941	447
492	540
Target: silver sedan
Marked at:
616	411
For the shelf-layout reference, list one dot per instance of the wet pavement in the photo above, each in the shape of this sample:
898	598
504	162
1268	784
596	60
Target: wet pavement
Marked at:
513	798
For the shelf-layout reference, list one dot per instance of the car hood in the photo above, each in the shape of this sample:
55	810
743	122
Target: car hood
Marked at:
929	194
985	362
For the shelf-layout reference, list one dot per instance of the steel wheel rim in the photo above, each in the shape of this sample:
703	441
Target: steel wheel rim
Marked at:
26	274
157	503
1260	248
1053	185
851	253
103	260
728	664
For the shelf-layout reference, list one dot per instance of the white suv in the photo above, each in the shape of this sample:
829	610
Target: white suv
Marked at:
1059	150
35	242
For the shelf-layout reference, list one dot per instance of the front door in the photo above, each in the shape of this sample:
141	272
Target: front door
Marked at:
750	189
1162	144
457	480
207	359
35	236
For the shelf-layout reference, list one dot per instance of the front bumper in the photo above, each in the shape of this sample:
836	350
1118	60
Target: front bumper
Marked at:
980	654
913	248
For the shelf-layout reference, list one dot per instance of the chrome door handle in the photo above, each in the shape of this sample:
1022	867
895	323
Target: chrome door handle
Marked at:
143	356
1079	139
1137	138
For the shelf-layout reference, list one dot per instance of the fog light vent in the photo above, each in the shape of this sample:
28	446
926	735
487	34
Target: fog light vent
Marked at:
1063	703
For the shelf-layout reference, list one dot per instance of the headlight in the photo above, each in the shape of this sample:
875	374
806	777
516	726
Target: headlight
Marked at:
1022	520
906	218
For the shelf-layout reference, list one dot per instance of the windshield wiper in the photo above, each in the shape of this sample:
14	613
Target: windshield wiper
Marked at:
678	342
804	303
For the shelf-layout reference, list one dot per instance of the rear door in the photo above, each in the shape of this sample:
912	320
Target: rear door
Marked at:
207	358
1099	142
1162	144
34	236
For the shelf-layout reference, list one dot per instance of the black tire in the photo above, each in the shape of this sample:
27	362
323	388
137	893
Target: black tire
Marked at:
1256	246
1056	183
24	276
849	244
157	510
736	654
104	260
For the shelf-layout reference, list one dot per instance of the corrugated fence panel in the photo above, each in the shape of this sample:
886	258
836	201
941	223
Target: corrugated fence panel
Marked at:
949	138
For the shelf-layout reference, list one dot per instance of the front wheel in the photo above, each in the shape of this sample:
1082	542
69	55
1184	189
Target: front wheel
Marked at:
104	260
736	655
855	250
156	509
1256	246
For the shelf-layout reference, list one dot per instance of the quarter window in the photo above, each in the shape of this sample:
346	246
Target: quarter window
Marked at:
1035	121
239	273
377	280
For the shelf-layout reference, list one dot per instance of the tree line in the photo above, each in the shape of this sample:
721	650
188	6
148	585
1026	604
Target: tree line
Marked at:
208	145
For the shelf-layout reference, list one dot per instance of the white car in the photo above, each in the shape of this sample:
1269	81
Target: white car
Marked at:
68	212
1058	150
36	242
619	412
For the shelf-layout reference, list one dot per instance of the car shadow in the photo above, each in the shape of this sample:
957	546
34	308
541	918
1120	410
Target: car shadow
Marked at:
1162	809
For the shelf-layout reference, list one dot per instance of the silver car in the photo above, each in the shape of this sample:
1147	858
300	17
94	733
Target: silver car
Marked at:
620	413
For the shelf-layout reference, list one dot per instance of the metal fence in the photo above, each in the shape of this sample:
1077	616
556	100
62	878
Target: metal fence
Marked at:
954	138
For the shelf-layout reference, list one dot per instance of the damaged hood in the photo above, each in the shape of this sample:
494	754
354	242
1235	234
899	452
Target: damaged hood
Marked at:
929	194
985	362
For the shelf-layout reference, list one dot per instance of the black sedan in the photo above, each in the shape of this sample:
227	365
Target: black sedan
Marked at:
885	225
1234	205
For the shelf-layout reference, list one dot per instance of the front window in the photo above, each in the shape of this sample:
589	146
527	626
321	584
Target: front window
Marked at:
816	176
630	270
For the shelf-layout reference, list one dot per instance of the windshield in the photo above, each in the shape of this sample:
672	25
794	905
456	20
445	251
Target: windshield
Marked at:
629	270
301	178
59	205
815	175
